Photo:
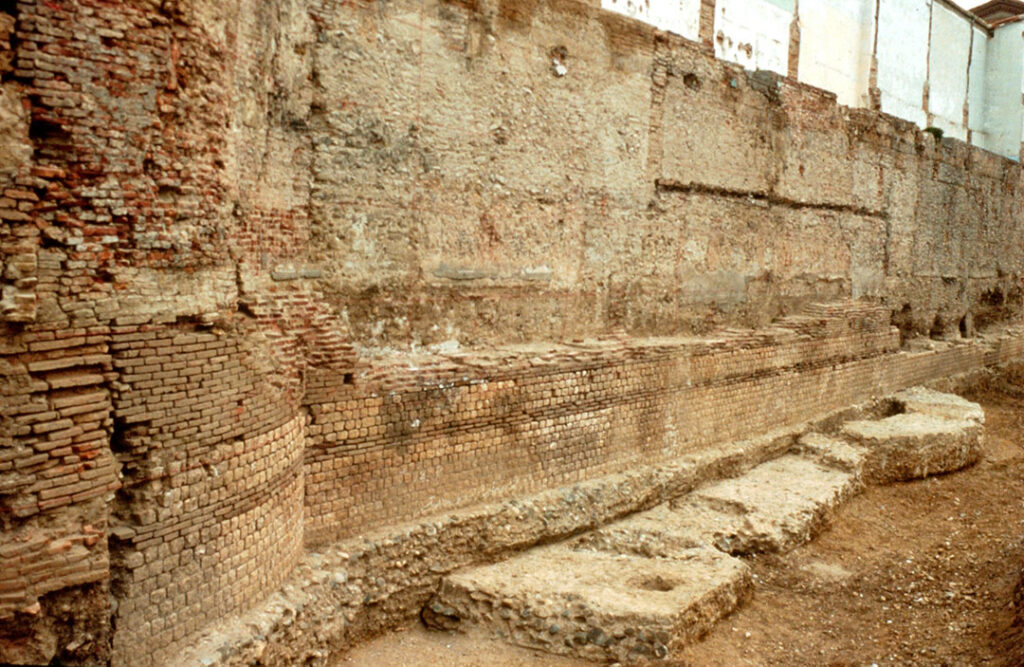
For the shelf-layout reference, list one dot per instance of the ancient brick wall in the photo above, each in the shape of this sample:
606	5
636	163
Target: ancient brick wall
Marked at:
386	573
209	516
18	262
421	439
428	436
57	476
150	471
465	189
229	232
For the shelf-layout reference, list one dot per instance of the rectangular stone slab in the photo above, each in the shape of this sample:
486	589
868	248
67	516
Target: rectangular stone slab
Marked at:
913	446
833	452
597	605
658	532
772	508
779	505
922	400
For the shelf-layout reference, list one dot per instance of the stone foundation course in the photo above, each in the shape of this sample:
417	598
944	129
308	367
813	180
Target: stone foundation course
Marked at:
781	489
597	604
938	433
640	588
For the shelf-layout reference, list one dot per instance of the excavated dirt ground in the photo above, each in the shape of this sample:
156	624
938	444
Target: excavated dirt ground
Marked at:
920	573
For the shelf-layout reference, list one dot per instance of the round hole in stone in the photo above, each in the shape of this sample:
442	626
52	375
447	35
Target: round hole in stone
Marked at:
656	583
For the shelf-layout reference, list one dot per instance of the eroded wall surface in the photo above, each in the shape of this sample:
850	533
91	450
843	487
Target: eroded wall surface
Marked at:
471	429
649	188
926	61
152	436
239	242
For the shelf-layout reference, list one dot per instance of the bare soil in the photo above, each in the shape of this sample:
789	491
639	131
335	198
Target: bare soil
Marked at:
920	573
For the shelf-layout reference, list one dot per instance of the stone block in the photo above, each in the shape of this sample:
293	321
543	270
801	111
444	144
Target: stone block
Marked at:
833	452
595	604
776	506
925	401
912	446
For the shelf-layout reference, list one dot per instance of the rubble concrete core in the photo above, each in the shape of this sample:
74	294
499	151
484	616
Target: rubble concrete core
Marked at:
643	586
779	504
597	604
914	445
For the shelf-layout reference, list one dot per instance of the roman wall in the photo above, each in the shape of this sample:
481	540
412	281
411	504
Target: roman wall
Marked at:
664	219
153	435
275	274
478	429
347	588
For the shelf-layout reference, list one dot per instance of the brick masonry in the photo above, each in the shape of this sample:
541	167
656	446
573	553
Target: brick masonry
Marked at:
341	591
209	516
479	429
273	274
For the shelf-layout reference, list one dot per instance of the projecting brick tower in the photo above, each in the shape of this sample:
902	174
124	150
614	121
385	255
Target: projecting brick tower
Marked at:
151	438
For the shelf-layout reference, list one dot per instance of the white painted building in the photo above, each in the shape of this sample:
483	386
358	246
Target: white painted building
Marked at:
927	61
754	33
835	47
679	16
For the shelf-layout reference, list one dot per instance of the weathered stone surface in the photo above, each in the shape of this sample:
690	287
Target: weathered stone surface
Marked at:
162	160
912	446
922	400
833	452
773	507
777	505
596	604
660	532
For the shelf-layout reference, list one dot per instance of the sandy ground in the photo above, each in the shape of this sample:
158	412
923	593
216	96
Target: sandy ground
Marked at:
921	573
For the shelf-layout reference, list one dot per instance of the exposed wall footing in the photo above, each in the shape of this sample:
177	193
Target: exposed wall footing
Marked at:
344	592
